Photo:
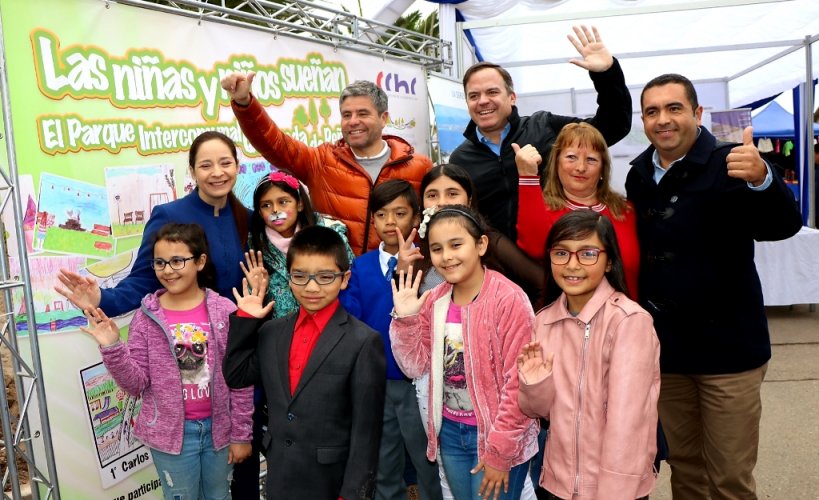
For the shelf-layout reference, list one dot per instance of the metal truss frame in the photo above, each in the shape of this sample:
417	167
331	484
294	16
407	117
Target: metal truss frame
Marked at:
18	439
316	23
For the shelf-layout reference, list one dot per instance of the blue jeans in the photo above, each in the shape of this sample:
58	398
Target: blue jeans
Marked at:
459	455
199	471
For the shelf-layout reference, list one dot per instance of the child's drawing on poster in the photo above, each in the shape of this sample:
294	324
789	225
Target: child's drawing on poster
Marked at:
53	312
111	415
250	173
133	192
73	218
29	204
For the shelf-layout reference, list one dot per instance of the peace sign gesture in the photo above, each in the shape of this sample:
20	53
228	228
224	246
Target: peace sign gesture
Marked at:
407	252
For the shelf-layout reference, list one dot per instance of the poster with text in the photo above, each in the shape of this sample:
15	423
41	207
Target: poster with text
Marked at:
105	100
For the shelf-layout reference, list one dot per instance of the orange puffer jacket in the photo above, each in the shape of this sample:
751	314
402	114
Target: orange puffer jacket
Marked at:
339	186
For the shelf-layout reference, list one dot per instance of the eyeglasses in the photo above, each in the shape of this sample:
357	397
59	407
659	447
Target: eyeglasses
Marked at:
175	262
585	256
322	278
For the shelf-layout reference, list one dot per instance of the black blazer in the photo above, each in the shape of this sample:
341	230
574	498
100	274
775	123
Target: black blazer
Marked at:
321	442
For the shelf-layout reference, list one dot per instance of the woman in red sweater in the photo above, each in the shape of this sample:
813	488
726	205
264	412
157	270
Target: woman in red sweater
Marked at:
577	178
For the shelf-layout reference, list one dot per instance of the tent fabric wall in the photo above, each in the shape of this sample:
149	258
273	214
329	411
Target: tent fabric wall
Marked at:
678	41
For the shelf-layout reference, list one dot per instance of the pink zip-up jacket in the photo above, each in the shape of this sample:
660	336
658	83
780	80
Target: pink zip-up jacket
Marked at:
146	366
601	398
495	328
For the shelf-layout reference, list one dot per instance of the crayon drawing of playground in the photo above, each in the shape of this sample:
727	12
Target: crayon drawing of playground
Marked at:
111	413
72	217
133	192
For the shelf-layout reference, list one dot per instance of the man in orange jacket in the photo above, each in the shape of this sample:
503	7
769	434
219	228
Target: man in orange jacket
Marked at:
339	175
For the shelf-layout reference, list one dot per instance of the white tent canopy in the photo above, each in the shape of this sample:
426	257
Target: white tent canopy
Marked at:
756	47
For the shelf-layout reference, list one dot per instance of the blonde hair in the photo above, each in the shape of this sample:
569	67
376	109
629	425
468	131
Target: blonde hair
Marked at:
583	135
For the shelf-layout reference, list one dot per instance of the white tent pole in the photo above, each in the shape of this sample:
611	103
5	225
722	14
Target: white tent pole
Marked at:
808	114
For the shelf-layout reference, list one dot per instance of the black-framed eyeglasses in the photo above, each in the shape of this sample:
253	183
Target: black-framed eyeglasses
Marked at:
175	262
585	256
322	278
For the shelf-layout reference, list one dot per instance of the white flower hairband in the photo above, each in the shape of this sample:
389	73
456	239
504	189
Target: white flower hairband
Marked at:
428	213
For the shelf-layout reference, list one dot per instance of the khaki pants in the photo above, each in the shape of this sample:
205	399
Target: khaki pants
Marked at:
711	423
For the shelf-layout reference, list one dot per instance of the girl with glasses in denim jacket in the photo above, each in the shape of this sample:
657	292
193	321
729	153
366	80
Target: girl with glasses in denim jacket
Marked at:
593	369
194	425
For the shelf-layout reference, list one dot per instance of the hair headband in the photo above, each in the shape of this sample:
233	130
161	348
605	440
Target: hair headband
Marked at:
432	212
280	176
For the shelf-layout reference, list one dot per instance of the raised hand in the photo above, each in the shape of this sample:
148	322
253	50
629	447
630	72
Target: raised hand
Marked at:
257	276
407	253
527	159
101	327
744	162
532	368
406	301
252	302
596	57
237	85
83	292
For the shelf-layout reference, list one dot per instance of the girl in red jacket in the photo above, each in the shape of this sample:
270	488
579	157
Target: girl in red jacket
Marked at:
466	333
593	369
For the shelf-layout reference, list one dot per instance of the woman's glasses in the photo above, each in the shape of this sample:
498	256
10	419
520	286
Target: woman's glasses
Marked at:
175	262
586	256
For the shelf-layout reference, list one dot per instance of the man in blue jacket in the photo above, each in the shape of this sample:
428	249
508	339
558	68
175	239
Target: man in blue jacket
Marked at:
700	205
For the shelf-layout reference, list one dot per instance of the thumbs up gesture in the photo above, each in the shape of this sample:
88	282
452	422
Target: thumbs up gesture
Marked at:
744	161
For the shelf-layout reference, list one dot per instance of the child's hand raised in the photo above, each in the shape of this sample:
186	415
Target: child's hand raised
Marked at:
407	253
252	302
101	327
82	291
257	276
532	368
406	301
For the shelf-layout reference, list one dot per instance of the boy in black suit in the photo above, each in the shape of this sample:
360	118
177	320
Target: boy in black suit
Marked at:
323	372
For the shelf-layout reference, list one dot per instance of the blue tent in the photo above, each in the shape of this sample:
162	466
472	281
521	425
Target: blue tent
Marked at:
775	122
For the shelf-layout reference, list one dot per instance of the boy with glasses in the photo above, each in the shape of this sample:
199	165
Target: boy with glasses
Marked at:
323	372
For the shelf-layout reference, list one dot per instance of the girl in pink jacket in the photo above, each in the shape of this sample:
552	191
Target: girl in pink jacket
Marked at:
467	333
194	425
593	369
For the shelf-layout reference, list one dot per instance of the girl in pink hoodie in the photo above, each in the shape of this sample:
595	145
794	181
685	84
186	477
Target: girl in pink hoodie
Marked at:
593	369
466	333
195	426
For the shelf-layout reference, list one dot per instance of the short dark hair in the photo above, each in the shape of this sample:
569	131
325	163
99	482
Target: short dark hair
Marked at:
577	225
319	240
366	88
389	191
690	91
457	174
507	78
193	236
